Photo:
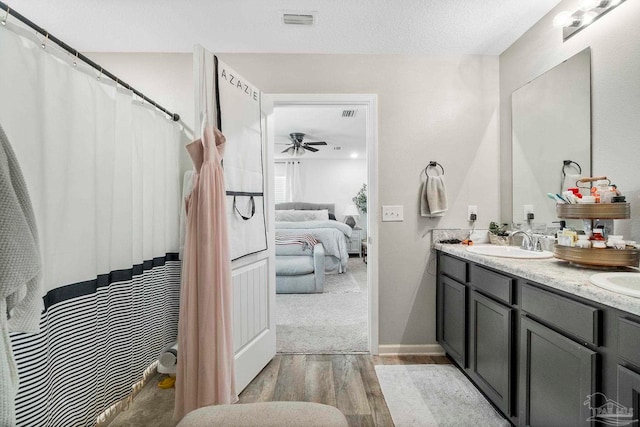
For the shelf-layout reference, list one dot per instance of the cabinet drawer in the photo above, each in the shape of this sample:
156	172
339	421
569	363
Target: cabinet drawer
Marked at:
629	340
454	268
492	283
576	318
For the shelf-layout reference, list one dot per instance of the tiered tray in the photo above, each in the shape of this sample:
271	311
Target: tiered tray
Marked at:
599	257
608	257
594	211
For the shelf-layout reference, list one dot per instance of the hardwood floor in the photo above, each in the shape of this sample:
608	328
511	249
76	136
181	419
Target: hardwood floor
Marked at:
346	381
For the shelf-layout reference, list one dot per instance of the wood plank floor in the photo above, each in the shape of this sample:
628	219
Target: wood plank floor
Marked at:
346	381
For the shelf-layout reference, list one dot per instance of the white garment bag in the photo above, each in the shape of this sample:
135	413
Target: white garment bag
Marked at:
239	119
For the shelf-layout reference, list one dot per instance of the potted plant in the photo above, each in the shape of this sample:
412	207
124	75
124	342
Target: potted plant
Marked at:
498	234
360	200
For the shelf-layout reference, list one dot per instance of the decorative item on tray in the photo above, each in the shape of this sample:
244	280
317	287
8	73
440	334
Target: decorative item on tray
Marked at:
498	234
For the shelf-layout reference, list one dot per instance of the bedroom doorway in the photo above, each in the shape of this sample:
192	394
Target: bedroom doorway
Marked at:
321	155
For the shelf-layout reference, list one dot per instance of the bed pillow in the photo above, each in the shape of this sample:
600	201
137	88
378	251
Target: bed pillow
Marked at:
297	216
282	215
332	216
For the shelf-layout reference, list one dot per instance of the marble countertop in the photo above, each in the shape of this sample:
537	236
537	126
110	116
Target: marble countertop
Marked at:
553	273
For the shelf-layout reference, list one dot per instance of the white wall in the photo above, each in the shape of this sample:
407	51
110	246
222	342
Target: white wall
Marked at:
443	109
615	95
332	181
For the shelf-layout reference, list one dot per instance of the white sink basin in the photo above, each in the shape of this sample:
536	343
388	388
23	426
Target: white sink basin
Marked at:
622	283
508	252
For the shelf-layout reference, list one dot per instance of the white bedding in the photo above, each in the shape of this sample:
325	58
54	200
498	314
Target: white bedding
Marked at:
332	234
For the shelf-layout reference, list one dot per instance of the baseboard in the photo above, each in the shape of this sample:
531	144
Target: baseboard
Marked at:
423	349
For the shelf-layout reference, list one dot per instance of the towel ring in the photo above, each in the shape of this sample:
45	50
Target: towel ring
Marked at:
566	163
433	165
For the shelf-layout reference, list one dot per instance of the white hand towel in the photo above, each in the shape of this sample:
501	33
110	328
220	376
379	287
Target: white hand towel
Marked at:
433	200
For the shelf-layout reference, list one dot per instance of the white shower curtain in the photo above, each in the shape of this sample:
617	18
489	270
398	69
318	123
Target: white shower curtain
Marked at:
293	190
102	172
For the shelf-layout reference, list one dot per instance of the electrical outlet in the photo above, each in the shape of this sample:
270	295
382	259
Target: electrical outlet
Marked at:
472	213
393	213
528	209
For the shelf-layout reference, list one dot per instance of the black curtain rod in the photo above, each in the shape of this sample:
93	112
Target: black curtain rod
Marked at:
74	52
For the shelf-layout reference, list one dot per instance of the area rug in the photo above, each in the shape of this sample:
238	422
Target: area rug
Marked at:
332	322
434	395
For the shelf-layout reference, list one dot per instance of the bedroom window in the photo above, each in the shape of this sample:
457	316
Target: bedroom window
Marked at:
281	185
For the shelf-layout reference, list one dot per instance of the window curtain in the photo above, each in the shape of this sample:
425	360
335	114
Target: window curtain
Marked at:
102	173
293	182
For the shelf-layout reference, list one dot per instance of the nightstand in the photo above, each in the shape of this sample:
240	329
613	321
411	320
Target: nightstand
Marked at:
355	242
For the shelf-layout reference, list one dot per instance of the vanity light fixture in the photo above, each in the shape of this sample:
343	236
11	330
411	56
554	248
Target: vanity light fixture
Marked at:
588	11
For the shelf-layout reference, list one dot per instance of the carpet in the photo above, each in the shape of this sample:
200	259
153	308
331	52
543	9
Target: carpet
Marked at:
434	395
333	322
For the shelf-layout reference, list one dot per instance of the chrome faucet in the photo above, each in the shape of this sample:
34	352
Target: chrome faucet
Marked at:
529	242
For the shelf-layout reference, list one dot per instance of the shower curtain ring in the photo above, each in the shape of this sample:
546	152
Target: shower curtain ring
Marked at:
6	16
75	61
46	38
100	75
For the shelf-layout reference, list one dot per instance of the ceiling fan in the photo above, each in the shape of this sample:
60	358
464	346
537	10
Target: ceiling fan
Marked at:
297	147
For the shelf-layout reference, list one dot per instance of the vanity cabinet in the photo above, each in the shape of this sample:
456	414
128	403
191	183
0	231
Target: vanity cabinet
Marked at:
556	376
491	349
453	319
628	393
541	356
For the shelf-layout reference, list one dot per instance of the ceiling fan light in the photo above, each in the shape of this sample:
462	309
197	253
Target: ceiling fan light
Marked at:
291	151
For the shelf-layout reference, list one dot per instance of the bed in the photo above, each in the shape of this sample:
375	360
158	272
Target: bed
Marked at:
331	233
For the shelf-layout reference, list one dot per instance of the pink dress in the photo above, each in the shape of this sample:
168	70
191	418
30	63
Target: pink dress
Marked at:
205	372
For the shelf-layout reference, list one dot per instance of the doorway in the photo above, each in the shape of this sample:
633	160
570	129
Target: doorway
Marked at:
343	284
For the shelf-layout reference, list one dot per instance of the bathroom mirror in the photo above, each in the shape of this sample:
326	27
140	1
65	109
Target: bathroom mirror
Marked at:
551	124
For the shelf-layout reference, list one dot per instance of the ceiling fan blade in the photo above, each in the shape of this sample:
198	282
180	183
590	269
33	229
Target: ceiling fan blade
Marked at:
310	149
285	151
316	143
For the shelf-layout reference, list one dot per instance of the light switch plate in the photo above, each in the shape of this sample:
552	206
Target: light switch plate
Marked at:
393	213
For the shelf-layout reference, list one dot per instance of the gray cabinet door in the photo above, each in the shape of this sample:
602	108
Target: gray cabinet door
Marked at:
452	318
627	407
491	349
557	376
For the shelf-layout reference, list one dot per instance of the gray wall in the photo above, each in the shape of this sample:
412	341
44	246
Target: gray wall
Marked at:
615	64
443	109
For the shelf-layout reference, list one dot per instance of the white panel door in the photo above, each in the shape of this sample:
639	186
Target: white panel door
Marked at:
253	275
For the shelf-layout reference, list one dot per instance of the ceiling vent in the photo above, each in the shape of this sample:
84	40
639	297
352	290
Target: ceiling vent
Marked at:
338	148
348	113
289	18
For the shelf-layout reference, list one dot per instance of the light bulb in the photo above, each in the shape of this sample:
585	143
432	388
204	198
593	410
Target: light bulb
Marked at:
563	19
586	5
354	155
588	18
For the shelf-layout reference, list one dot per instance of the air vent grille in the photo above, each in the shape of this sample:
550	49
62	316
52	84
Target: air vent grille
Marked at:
338	148
348	113
298	19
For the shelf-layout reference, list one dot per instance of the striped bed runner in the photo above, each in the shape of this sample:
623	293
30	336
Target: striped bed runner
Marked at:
299	239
